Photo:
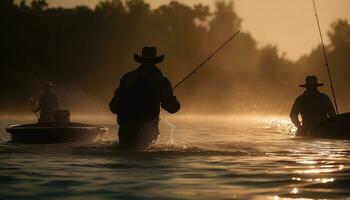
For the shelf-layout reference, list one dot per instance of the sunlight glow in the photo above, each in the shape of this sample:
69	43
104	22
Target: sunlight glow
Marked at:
296	179
294	191
314	171
307	162
327	180
321	180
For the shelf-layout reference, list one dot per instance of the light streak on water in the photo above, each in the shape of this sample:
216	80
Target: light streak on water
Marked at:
206	157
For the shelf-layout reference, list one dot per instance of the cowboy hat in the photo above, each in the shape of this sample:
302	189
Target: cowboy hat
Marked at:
311	81
149	55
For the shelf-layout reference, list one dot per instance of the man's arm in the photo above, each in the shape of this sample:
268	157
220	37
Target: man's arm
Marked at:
330	108
35	106
114	104
294	114
168	101
40	103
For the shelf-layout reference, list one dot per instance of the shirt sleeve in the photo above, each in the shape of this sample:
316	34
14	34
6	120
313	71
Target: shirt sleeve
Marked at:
168	101
330	108
294	114
114	104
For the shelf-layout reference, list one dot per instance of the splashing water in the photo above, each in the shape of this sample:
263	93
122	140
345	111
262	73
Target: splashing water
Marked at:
165	118
206	158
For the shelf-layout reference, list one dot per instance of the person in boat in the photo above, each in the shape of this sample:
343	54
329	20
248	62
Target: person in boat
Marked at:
138	98
313	106
48	104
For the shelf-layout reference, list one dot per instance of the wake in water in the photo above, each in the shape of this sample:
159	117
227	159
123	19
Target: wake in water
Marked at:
216	137
164	117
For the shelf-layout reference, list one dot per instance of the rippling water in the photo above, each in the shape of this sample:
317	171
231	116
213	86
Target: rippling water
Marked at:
196	158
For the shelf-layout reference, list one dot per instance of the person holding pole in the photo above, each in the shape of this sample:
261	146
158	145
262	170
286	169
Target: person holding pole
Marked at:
136	101
138	98
48	104
313	107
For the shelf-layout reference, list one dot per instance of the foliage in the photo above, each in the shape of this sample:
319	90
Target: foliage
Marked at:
85	51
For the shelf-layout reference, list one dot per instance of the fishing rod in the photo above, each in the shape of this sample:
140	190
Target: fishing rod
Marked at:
326	58
206	60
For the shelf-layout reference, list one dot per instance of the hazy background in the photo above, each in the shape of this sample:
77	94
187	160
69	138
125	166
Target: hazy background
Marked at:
86	49
285	23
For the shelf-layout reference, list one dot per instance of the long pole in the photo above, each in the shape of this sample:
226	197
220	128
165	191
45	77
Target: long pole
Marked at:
326	58
206	60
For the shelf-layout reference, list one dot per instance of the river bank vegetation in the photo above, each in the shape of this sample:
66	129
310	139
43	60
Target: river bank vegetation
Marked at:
84	51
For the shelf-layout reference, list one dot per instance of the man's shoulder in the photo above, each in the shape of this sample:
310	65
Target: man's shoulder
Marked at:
325	96
300	97
129	75
154	75
48	96
154	72
157	74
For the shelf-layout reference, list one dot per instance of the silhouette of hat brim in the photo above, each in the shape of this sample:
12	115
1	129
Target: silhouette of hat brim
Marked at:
153	60
318	84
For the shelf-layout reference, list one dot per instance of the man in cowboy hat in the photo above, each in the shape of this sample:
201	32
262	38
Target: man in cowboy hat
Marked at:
48	104
312	105
138	98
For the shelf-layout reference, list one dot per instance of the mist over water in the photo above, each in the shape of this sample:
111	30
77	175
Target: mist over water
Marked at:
206	157
85	51
239	151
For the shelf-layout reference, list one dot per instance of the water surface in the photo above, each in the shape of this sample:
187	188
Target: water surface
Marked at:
196	158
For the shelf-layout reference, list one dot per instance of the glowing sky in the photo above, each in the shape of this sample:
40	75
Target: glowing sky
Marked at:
290	24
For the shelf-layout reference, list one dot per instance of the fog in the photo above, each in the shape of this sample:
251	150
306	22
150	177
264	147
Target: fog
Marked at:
85	51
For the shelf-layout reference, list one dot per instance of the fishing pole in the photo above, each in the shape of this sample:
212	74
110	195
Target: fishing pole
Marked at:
206	60
326	58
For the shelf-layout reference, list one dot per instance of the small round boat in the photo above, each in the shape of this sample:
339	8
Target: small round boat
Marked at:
337	127
47	133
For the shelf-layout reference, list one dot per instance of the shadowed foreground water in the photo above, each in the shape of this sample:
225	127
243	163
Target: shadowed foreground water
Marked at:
201	158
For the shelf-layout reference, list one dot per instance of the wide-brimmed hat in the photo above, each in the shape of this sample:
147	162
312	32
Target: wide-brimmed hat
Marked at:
311	81
149	55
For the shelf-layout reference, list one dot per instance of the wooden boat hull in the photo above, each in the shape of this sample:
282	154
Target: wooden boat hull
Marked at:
337	127
47	133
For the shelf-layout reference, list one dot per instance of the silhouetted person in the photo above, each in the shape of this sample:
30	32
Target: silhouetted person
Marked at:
138	99
312	105
48	104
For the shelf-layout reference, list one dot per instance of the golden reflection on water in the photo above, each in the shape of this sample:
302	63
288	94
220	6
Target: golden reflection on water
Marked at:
320	180
294	191
315	171
280	198
307	162
264	151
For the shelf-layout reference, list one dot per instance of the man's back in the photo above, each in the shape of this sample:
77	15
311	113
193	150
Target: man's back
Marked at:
138	98
313	107
48	103
140	94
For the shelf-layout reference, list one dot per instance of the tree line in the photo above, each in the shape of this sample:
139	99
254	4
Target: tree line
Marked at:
85	51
